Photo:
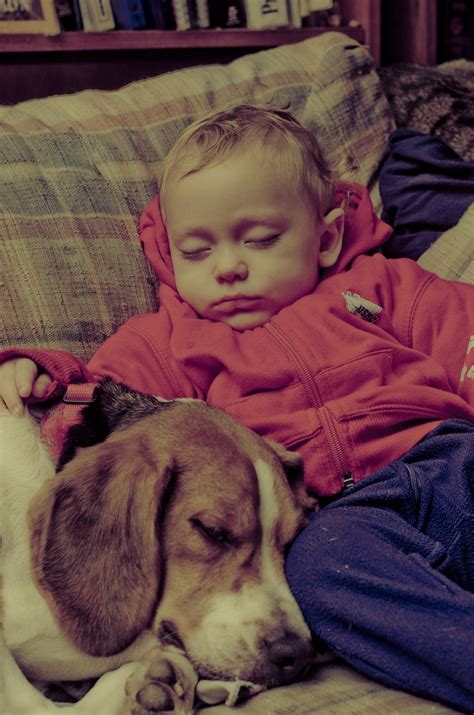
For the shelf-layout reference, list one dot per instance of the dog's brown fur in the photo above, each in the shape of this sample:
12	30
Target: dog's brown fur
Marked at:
171	530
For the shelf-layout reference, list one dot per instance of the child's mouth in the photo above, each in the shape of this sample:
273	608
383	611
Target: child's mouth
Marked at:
238	304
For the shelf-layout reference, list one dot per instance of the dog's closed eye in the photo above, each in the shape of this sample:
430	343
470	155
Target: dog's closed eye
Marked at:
215	534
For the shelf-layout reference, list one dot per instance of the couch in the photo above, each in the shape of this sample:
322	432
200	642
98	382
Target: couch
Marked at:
76	172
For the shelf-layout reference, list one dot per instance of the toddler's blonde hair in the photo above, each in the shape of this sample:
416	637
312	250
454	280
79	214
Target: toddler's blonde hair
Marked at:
281	141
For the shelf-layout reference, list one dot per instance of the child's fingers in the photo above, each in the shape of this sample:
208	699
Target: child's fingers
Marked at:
25	374
18	380
41	385
9	388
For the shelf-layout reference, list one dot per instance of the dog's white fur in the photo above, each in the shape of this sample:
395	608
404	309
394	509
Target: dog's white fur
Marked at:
227	601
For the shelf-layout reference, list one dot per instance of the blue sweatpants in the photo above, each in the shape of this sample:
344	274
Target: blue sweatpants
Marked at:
384	574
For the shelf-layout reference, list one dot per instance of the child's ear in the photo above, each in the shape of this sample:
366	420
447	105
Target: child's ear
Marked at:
331	238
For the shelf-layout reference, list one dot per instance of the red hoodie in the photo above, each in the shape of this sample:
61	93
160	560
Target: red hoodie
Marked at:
351	375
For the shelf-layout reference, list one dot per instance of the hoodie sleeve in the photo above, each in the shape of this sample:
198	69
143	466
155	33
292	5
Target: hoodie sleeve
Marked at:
442	324
137	355
435	317
63	367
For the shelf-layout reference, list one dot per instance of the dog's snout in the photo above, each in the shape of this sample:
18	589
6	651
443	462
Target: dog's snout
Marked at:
290	655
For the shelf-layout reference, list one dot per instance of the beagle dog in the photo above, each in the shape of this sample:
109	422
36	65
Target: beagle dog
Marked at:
155	554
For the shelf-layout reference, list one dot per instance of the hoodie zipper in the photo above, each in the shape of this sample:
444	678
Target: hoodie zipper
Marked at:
315	399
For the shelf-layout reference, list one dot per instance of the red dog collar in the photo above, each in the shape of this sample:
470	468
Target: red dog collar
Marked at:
59	418
76	397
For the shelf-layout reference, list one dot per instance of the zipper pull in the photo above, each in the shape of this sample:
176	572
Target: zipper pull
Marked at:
348	480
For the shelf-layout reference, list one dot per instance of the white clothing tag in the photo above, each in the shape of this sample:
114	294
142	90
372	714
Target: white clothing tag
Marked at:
365	308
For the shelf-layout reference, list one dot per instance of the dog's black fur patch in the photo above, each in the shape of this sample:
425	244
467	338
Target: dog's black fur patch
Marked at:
114	406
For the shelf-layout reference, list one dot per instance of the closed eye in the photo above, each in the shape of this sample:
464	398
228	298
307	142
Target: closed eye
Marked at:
195	255
263	242
214	534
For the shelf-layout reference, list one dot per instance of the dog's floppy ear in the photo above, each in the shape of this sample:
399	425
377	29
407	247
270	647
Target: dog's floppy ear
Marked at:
292	463
95	540
109	409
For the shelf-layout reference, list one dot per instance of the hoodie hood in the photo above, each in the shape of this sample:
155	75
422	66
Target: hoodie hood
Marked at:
364	232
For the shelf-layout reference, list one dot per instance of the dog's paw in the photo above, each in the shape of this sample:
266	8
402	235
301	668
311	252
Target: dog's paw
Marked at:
163	682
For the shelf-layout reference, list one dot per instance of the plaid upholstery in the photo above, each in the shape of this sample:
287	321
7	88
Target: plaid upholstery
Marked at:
76	172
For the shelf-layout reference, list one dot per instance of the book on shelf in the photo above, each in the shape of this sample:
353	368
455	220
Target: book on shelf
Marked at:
39	17
294	13
455	30
182	16
227	13
304	9
69	15
159	14
322	13
318	5
198	11
96	15
266	14
154	15
201	14
129	14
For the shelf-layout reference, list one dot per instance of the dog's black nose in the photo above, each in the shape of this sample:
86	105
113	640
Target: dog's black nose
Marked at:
290	655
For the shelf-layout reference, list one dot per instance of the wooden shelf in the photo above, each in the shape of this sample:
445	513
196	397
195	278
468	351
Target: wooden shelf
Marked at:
34	66
142	40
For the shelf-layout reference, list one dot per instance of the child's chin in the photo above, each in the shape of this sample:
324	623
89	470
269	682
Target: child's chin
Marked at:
247	321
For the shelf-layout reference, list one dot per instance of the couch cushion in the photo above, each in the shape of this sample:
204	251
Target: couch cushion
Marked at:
434	100
452	255
333	689
77	170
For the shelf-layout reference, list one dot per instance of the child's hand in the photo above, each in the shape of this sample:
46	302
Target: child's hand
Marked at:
18	380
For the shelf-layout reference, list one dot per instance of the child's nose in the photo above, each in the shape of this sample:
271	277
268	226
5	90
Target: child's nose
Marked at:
230	266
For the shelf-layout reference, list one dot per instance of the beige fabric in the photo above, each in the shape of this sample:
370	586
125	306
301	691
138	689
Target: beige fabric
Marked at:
335	689
452	255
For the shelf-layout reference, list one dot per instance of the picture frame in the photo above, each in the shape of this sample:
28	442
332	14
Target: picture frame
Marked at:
29	16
